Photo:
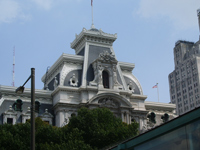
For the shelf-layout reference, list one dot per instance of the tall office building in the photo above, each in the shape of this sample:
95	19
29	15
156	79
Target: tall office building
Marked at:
184	81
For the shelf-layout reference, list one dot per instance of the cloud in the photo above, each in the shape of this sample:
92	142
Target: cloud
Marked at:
182	13
12	10
9	10
44	4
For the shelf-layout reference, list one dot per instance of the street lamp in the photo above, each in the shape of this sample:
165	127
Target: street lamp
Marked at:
20	90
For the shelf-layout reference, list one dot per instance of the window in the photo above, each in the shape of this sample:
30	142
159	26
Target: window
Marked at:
46	122
73	115
37	106
18	105
10	116
9	120
105	79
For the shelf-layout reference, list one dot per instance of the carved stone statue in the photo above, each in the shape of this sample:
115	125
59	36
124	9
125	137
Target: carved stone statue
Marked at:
55	82
100	69
108	102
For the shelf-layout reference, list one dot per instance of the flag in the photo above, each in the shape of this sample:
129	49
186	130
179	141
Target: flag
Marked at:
91	2
155	86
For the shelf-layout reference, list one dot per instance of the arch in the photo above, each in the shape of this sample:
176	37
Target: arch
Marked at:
115	96
105	76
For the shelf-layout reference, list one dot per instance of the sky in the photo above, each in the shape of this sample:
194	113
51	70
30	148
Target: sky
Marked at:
41	30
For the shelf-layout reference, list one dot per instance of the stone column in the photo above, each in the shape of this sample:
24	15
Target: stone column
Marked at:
122	116
130	119
127	118
141	122
58	116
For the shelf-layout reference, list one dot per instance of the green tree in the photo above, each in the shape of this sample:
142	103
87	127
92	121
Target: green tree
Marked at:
89	130
100	127
15	137
53	138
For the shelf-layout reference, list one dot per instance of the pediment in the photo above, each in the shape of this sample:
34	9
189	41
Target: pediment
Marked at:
112	100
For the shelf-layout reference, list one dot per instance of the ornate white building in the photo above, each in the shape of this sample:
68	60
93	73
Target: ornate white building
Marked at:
91	78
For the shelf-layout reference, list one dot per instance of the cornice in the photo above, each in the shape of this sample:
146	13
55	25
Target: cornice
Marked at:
126	66
68	58
159	106
8	93
65	88
27	91
93	36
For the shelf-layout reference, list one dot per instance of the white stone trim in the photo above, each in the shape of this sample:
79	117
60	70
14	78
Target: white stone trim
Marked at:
84	73
27	115
1	101
67	68
57	66
126	66
132	77
88	35
46	116
10	113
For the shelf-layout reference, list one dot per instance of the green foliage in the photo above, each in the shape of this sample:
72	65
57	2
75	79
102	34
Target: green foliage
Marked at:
89	130
15	137
100	127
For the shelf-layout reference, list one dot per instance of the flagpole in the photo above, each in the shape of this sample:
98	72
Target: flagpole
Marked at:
158	92
92	14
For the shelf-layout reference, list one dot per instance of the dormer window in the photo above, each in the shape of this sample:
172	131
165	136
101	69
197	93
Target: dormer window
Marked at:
105	79
37	106
18	105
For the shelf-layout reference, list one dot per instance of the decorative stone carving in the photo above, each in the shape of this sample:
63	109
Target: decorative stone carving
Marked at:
116	83
55	82
100	69
27	115
66	121
10	114
47	117
108	102
107	57
131	87
105	61
73	80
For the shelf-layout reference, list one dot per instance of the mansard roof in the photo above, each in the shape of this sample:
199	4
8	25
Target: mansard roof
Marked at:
93	35
64	58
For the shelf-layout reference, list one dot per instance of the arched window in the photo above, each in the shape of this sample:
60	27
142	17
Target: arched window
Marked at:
105	79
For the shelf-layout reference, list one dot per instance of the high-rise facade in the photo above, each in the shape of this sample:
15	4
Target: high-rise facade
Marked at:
184	81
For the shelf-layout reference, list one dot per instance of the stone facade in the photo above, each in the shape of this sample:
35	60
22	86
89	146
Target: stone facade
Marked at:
92	78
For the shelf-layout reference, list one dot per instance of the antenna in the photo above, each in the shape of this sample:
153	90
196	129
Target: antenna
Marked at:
13	72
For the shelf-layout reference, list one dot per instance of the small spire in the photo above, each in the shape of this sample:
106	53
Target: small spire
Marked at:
92	26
